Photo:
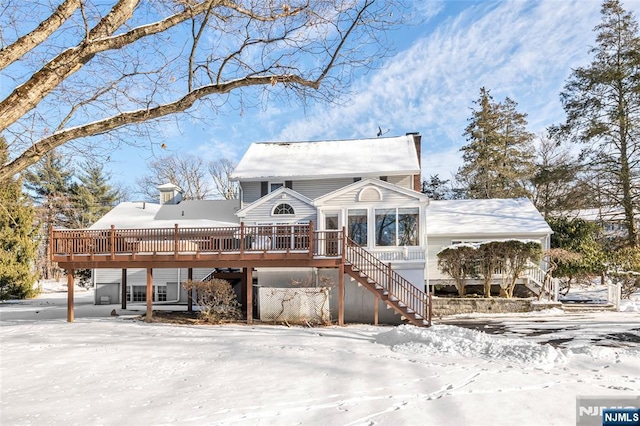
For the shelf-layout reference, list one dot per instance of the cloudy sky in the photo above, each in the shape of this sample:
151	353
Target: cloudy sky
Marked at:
522	49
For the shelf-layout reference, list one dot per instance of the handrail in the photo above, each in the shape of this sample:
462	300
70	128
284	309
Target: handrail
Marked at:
232	239
394	284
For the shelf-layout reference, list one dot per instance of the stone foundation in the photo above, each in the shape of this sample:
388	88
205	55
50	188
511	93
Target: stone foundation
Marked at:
471	305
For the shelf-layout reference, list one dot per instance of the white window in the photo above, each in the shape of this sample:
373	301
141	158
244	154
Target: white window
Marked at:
357	224
283	209
161	293
397	227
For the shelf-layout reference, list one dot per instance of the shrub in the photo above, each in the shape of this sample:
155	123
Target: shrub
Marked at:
215	299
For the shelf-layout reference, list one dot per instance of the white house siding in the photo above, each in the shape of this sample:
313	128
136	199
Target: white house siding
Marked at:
389	199
402	181
107	282
250	192
263	213
318	187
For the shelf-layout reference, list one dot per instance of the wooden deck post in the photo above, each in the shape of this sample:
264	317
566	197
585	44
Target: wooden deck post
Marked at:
175	241
249	289
70	288
123	290
149	316
312	242
341	294
112	239
190	290
242	238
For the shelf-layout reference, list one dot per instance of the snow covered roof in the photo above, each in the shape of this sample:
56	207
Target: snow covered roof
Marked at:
493	217
345	158
169	186
197	213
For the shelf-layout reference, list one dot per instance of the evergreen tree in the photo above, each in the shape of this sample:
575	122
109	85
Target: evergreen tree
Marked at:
581	237
558	185
602	103
92	197
499	158
50	184
436	188
18	238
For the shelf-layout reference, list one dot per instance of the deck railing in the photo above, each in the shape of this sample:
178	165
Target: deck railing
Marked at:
176	240
397	287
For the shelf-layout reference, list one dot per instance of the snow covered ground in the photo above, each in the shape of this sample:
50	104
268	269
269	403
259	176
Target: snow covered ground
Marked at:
106	369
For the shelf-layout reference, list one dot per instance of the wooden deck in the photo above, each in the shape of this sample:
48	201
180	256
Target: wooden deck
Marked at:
281	245
244	247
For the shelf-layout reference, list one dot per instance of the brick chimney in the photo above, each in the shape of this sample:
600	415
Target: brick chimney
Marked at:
417	179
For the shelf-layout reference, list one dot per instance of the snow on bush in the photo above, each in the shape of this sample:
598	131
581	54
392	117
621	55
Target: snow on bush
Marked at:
458	341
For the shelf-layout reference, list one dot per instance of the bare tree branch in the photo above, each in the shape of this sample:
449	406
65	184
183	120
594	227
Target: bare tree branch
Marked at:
24	44
116	66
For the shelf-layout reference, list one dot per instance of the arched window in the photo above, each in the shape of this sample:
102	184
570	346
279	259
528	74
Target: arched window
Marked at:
283	209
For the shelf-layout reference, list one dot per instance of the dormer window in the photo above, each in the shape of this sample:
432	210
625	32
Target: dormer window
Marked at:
283	209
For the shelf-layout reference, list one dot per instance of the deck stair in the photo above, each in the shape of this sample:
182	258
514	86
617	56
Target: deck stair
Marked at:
411	303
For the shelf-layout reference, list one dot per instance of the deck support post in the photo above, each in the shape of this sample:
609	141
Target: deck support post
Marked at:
341	294
149	316
70	288
249	289
190	290
123	290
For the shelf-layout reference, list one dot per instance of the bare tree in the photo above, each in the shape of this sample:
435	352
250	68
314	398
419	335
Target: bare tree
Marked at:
89	68
185	170
220	171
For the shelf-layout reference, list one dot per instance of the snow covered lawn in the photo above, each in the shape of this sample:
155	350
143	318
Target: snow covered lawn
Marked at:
116	370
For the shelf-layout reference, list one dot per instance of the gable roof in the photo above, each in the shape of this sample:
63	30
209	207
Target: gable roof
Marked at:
344	158
197	214
280	193
493	217
371	182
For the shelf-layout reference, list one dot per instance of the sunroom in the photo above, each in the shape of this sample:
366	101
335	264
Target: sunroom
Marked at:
382	217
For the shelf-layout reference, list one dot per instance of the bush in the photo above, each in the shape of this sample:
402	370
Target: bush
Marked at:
215	299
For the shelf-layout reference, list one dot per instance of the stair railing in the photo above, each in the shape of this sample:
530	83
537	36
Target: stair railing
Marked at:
398	289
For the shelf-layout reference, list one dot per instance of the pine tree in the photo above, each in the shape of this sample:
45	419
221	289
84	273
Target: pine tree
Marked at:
558	185
436	188
92	197
602	103
18	238
49	184
499	158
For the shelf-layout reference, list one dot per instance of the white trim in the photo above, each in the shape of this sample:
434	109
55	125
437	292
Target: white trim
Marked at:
281	192
418	196
367	188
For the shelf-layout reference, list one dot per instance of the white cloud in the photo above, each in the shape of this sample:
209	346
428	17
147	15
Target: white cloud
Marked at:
524	50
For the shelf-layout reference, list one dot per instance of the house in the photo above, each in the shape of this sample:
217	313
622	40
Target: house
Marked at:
346	214
452	222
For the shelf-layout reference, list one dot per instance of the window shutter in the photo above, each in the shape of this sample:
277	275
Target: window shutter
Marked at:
264	188
288	184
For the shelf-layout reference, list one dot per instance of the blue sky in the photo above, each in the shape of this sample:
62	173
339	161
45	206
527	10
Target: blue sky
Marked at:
517	48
